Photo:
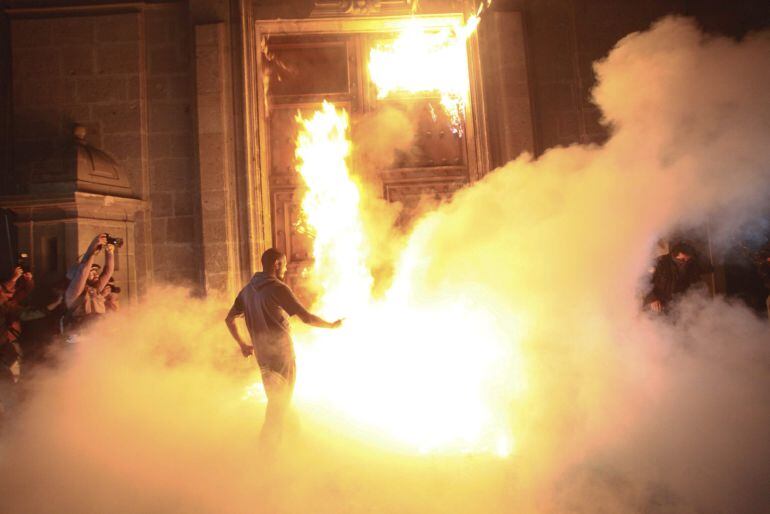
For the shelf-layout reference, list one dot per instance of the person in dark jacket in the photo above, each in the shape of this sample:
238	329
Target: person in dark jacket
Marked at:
267	303
674	274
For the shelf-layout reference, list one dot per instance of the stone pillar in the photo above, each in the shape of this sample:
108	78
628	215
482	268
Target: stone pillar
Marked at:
56	228
6	181
506	86
215	158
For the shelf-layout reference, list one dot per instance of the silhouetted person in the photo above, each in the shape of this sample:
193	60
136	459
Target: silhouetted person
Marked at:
267	303
40	325
674	274
10	353
14	294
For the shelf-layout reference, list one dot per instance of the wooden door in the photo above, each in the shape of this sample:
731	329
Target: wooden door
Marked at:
299	71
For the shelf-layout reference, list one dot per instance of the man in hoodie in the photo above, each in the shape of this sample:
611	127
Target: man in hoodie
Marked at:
267	303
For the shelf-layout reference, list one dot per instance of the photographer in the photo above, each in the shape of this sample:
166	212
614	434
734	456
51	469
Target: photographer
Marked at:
13	302
83	297
17	287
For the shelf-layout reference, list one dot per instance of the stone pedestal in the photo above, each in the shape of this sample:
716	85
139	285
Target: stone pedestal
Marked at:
57	222
56	230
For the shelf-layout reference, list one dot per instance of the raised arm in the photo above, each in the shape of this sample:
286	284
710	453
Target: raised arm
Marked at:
9	286
109	267
78	282
94	247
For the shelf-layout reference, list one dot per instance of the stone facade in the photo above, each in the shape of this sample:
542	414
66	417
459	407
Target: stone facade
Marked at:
175	246
124	73
169	89
566	36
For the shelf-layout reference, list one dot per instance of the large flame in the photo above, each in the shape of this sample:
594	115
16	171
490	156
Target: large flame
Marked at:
427	61
417	371
331	205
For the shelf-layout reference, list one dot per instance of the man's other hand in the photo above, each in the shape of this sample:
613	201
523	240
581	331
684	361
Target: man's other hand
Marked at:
101	240
246	350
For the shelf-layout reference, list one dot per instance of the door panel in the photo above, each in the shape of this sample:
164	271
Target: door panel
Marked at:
302	71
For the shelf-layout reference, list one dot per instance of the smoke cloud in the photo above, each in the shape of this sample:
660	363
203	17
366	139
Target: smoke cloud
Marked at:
379	136
609	410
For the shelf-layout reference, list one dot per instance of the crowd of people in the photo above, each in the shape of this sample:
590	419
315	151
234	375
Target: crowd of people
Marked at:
34	321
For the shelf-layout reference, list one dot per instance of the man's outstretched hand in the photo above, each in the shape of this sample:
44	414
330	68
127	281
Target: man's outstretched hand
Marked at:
337	324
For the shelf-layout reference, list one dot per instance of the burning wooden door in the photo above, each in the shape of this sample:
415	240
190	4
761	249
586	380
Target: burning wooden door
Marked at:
297	72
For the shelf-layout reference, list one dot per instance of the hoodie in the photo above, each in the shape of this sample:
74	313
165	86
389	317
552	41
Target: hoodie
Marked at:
266	304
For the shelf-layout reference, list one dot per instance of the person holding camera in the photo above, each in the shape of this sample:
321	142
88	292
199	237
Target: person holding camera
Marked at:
17	287
83	298
14	293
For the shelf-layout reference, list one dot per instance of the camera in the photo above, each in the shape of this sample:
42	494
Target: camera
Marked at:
22	261
117	242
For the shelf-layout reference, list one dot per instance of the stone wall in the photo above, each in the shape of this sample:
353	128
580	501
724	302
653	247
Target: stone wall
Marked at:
174	186
5	102
566	36
78	69
127	77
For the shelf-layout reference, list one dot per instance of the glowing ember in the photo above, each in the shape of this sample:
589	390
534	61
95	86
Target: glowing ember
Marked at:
420	371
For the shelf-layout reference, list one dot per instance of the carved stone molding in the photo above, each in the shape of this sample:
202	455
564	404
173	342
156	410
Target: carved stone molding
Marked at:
49	9
417	197
360	7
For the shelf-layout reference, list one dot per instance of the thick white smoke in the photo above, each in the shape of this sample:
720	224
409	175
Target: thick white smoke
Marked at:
621	413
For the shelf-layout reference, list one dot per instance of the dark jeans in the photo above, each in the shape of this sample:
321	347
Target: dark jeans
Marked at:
278	377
